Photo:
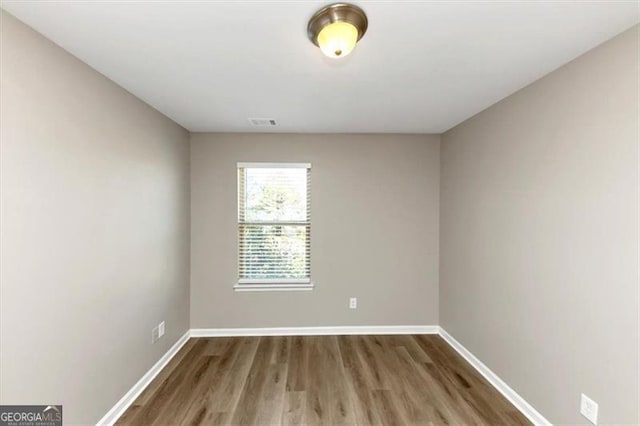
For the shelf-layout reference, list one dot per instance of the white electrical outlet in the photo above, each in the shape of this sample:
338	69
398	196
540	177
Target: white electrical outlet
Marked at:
589	409
161	329
353	303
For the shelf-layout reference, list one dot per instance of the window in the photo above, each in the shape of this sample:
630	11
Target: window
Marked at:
274	226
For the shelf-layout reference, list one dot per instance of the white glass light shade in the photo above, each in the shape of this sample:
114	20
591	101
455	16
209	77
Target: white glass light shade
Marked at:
338	39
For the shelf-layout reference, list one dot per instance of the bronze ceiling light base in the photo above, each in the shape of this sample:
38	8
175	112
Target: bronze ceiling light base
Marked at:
332	14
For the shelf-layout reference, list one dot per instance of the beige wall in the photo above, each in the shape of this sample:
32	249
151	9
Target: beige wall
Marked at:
95	231
539	236
374	210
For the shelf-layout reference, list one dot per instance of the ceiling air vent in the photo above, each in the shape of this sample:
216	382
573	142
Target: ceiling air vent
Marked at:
263	122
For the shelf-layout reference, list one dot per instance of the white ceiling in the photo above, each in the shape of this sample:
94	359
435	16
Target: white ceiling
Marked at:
422	67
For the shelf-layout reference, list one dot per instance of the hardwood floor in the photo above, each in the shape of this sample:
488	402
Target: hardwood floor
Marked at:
395	380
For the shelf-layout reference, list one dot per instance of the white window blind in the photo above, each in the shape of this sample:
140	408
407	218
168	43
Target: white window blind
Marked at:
274	224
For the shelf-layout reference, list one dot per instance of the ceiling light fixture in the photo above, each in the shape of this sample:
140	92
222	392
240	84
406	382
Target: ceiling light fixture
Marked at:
336	28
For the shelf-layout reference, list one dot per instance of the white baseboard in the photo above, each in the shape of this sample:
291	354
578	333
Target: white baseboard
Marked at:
315	331
519	402
121	406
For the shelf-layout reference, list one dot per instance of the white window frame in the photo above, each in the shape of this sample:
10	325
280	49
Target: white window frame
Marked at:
277	284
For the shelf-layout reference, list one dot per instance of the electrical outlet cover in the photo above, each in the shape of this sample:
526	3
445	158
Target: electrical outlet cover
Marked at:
161	329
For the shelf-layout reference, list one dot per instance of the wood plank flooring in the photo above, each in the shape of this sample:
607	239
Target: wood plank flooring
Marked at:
336	380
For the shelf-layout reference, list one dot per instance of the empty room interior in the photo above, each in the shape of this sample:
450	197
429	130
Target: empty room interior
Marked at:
304	212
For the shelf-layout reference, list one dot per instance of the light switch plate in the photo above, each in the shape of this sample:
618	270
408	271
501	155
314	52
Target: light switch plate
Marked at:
161	329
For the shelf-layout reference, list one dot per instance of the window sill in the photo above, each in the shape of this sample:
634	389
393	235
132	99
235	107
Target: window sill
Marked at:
273	286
